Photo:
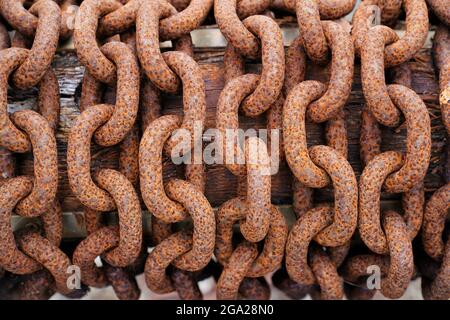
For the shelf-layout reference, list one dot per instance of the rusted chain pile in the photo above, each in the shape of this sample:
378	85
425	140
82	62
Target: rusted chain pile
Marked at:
329	250
28	64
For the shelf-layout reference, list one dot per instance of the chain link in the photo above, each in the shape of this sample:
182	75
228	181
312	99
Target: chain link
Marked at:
127	74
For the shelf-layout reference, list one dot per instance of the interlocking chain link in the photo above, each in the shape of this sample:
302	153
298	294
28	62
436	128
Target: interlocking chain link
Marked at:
127	74
26	251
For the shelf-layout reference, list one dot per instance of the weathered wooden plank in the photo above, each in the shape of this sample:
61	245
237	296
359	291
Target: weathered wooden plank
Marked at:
220	183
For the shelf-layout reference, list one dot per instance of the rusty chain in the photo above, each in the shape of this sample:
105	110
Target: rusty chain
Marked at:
323	269
28	250
126	74
258	218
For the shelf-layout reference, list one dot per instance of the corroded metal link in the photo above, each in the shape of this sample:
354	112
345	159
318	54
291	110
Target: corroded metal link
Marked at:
323	269
370	185
130	219
401	74
233	274
175	26
311	30
246	8
328	9
227	118
418	131
302	198
294	131
26	22
130	233
366	16
418	140
298	158
370	137
340	84
401	264
234	66
92	220
396	270
274	120
79	155
150	164
254	289
296	65
127	101
18	17
150	107
407	46
416	33
339	254
48	102
11	258
160	230
186	285
45	163
10	137
69	9
52	221
47	105
345	194
391	11
309	13
439	287
91	91
50	256
356	266
204	223
270	258
147	41
257	219
440	9
372	75
413	203
225	12
302	233
295	73
129	155
31	71
172	27
161	257
124	284
441	52
436	211
273	61
336	133
88	249
330	283
5	41
194	101
7	164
